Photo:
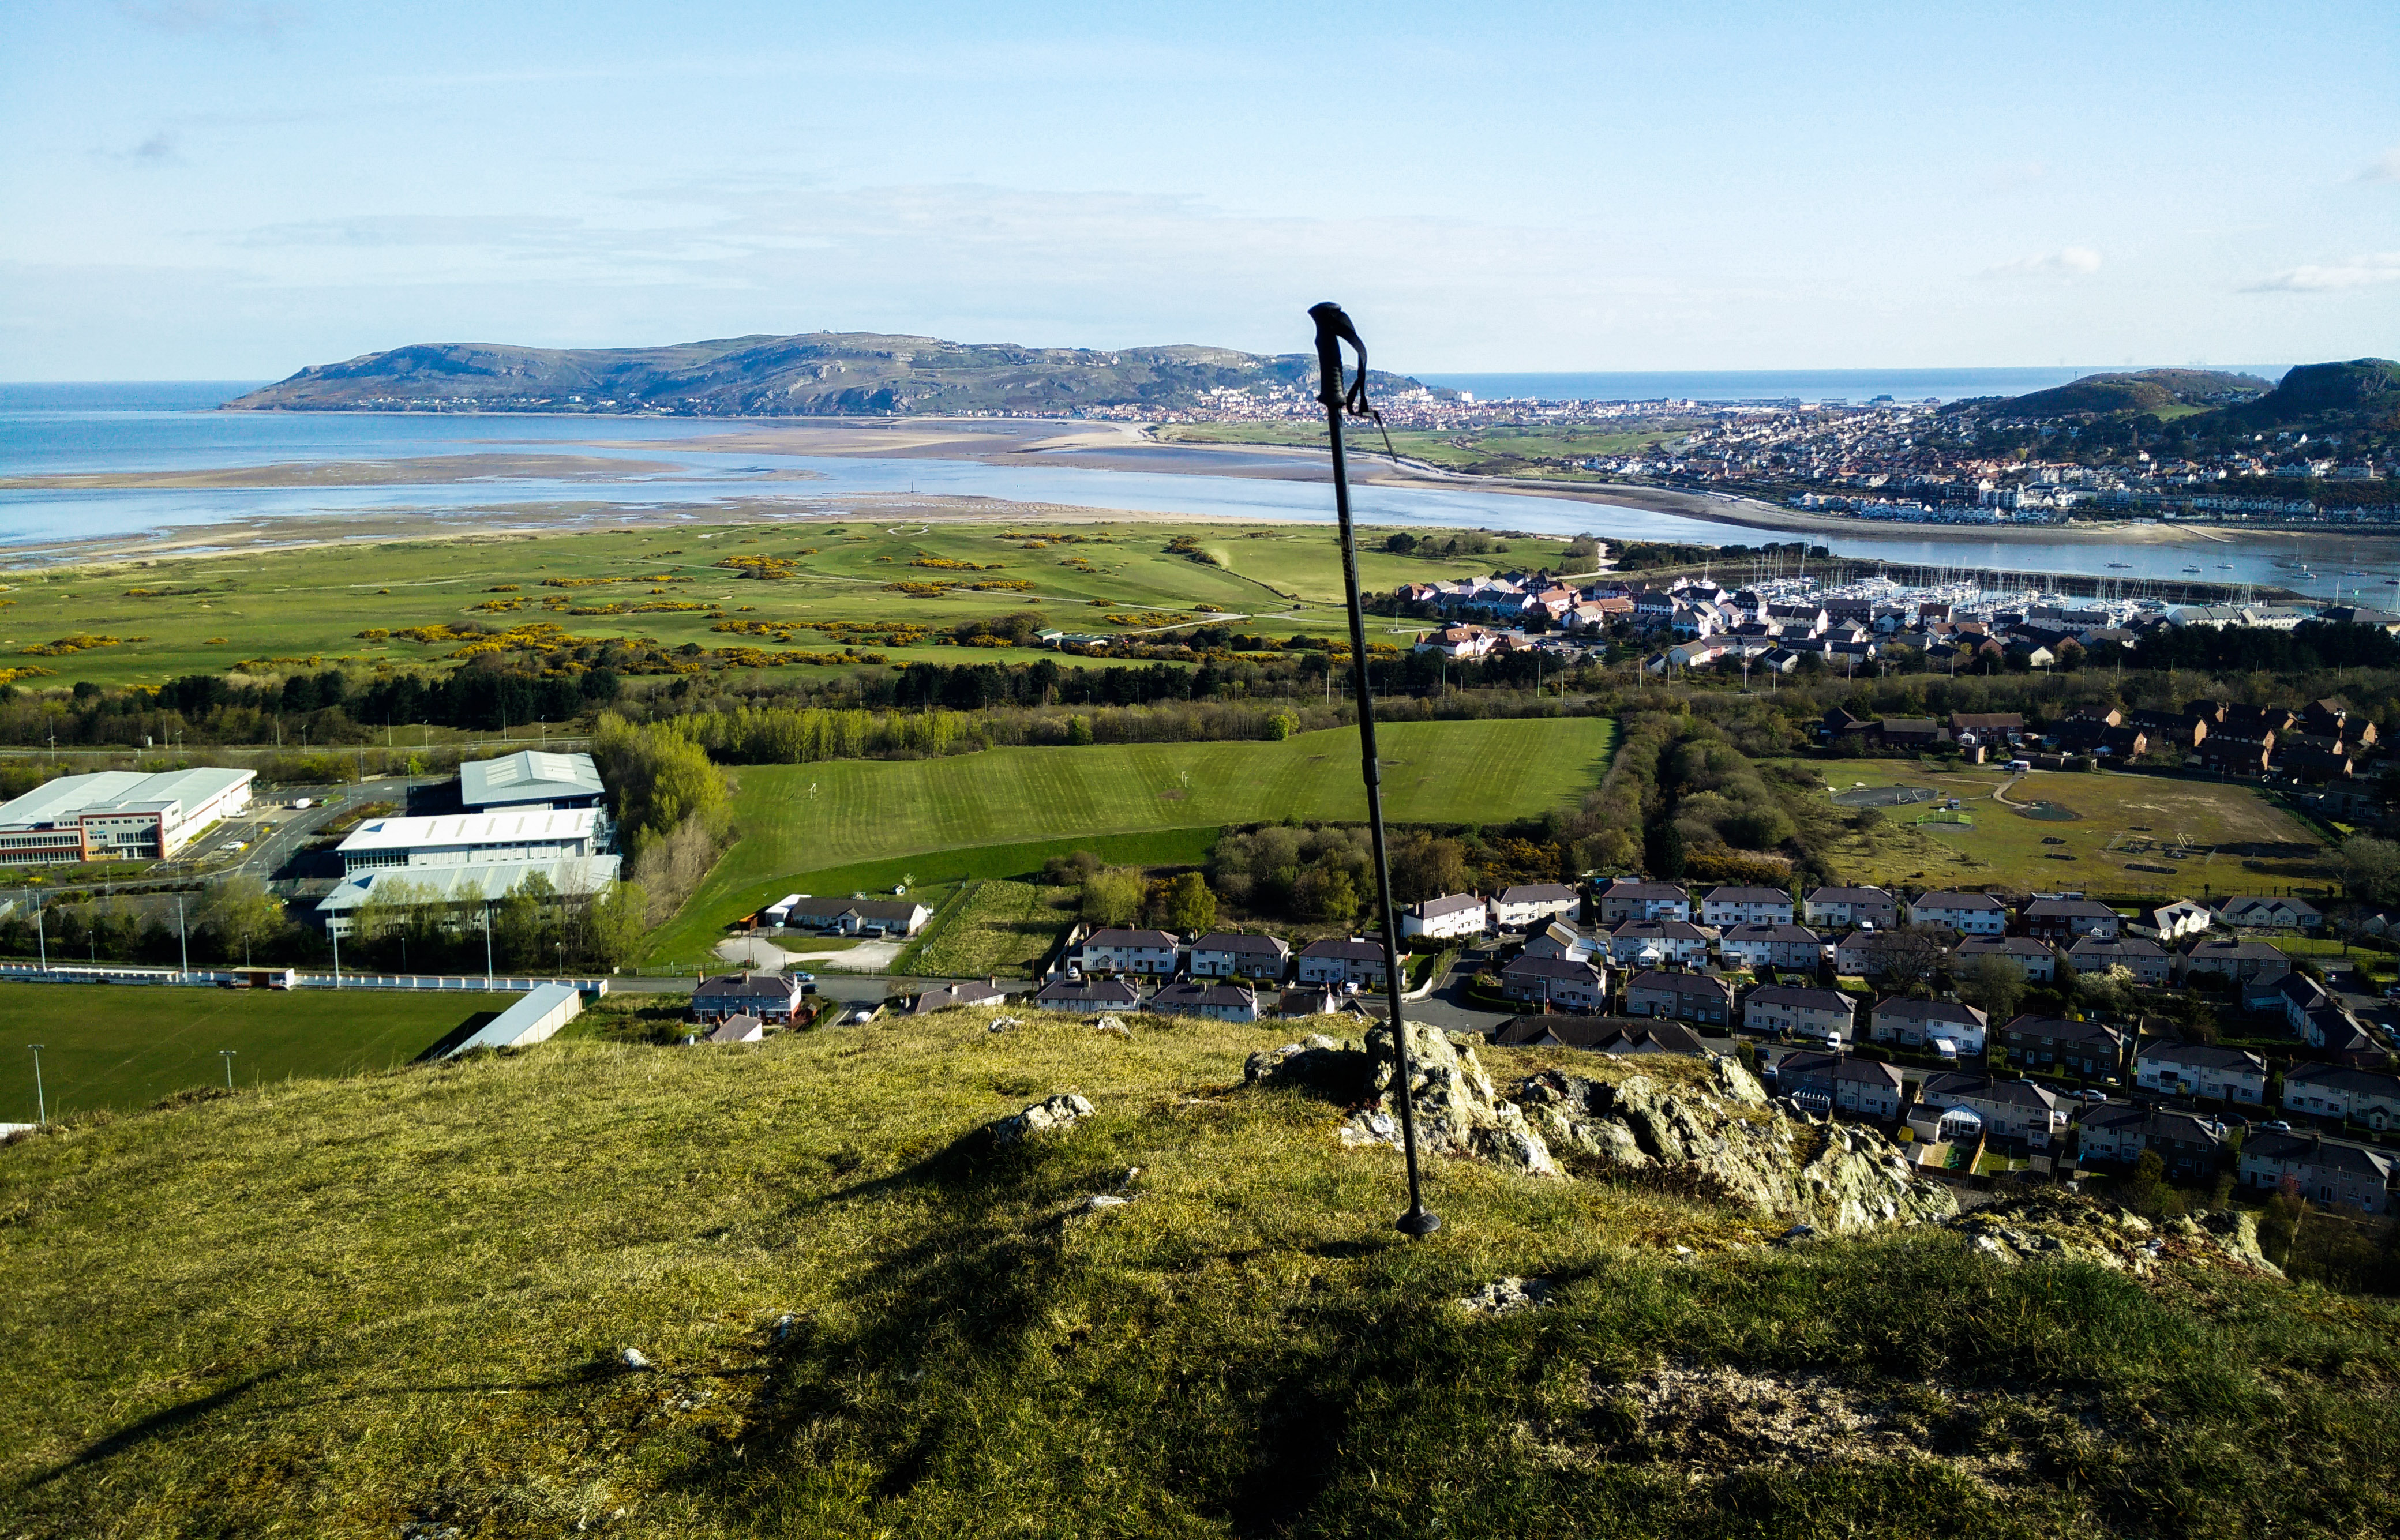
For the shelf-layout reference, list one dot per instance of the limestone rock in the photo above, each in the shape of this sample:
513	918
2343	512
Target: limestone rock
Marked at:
1058	1111
1457	1110
2053	1224
1507	1294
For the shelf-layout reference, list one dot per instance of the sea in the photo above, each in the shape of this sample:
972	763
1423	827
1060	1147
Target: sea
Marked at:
49	430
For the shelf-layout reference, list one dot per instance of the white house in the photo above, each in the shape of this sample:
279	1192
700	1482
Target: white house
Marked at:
1786	1008
2010	1109
1844	908
1624	898
1523	907
1969	914
1447	917
2338	1091
1116	950
1196	998
1222	954
1737	905
1647	943
1338	962
1915	1023
2180	919
2200	1070
2037	960
1769	945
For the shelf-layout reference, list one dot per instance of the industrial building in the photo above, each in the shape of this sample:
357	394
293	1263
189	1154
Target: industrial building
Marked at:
477	858
530	780
118	815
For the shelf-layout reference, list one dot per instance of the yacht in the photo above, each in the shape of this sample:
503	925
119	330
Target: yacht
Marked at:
2122	565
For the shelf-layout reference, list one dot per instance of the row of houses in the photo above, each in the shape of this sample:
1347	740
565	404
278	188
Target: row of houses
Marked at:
2058	915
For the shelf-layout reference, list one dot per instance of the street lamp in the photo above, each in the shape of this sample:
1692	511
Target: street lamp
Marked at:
226	1055
182	940
41	1102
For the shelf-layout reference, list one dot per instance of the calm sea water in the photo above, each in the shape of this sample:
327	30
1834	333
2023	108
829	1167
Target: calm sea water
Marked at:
1854	386
49	430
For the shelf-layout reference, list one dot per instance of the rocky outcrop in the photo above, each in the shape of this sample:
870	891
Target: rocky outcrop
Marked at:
2056	1225
1058	1111
1722	1138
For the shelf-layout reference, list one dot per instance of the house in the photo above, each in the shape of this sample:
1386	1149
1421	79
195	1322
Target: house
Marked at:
1115	950
1227	954
2300	997
2036	960
1764	945
769	997
1990	728
2065	919
1309	1000
2180	919
2228	753
1651	942
1855	1086
1969	914
2170	728
738	1029
2322	1170
1337	962
1736	906
1845	907
1447	917
1623	898
972	992
859	916
1461	642
2230	958
2147	960
1559	939
1218	1001
1915	1023
2117	1132
1686	997
2340	1091
1882	954
2253	913
2046	1042
1616	1036
1785	1008
2200	1070
1090	996
1906	732
1529	904
2017	1111
1569	985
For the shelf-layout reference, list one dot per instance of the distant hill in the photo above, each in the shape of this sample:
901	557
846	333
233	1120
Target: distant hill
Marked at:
820	374
2145	391
2319	393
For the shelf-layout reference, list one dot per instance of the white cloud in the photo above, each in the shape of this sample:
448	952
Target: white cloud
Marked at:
2067	261
2312	278
2385	168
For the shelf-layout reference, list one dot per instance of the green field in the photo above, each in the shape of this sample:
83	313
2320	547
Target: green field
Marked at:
147	622
794	821
2237	840
1502	450
122	1046
993	927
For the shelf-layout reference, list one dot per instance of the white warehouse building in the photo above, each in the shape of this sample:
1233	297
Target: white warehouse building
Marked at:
118	815
475	858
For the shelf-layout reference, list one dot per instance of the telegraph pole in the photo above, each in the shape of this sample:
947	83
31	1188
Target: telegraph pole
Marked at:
41	1102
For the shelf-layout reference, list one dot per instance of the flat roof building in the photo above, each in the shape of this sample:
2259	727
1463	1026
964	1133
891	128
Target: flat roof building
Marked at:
118	815
472	838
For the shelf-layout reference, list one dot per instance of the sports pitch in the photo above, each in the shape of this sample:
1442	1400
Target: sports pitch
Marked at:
797	821
121	1047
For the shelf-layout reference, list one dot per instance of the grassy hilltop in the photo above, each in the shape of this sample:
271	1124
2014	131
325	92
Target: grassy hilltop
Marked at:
399	1304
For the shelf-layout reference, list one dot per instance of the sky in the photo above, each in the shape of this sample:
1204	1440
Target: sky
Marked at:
231	189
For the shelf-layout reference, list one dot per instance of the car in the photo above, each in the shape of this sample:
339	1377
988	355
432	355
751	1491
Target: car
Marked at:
2276	1125
231	847
2093	1094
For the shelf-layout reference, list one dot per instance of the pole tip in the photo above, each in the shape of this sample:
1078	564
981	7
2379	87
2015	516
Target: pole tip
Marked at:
1418	1223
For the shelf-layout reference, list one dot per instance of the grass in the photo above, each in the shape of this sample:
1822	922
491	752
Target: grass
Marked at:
995	927
2241	842
307	606
797	820
121	1047
400	1303
1503	450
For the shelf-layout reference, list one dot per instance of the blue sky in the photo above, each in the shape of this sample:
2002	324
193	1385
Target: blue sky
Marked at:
233	189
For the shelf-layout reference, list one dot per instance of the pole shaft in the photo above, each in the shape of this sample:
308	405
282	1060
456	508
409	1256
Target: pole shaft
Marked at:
1395	981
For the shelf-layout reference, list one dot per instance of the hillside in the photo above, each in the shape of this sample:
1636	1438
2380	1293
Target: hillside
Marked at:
2153	390
2363	391
402	1305
821	374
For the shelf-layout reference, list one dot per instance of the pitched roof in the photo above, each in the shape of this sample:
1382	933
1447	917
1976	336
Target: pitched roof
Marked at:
1942	899
1800	997
2204	1055
1931	1011
1536	892
1732	895
1350	948
1228	940
2007	1093
1448	903
1117	937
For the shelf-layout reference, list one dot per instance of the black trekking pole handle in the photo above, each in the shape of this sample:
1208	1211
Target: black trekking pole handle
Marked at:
1334	328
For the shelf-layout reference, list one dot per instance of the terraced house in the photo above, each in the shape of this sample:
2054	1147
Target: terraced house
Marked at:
1739	905
1846	1084
1151	953
2037	960
1915	1023
1447	917
2145	959
2066	919
1844	908
2230	958
1338	962
1224	954
1771	946
2048	1043
1792	1008
1651	942
2201	1070
1623	898
2322	1170
2117	1132
1568	984
2015	1111
1529	904
2338	1091
1969	914
1686	997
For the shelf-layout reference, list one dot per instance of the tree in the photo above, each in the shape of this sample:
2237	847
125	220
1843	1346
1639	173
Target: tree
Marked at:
1664	851
613	923
1113	896
1326	892
1425	868
2369	868
1992	985
522	926
1400	544
1908	957
1190	905
241	913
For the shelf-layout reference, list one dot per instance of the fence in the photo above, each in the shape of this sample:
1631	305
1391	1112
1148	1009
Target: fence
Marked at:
27	972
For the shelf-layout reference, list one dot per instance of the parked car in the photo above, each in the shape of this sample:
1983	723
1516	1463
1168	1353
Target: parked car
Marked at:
2276	1125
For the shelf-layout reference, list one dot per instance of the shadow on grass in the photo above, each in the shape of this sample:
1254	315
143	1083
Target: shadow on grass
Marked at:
161	1424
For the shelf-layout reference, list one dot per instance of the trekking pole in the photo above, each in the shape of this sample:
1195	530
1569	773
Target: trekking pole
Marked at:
1333	328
